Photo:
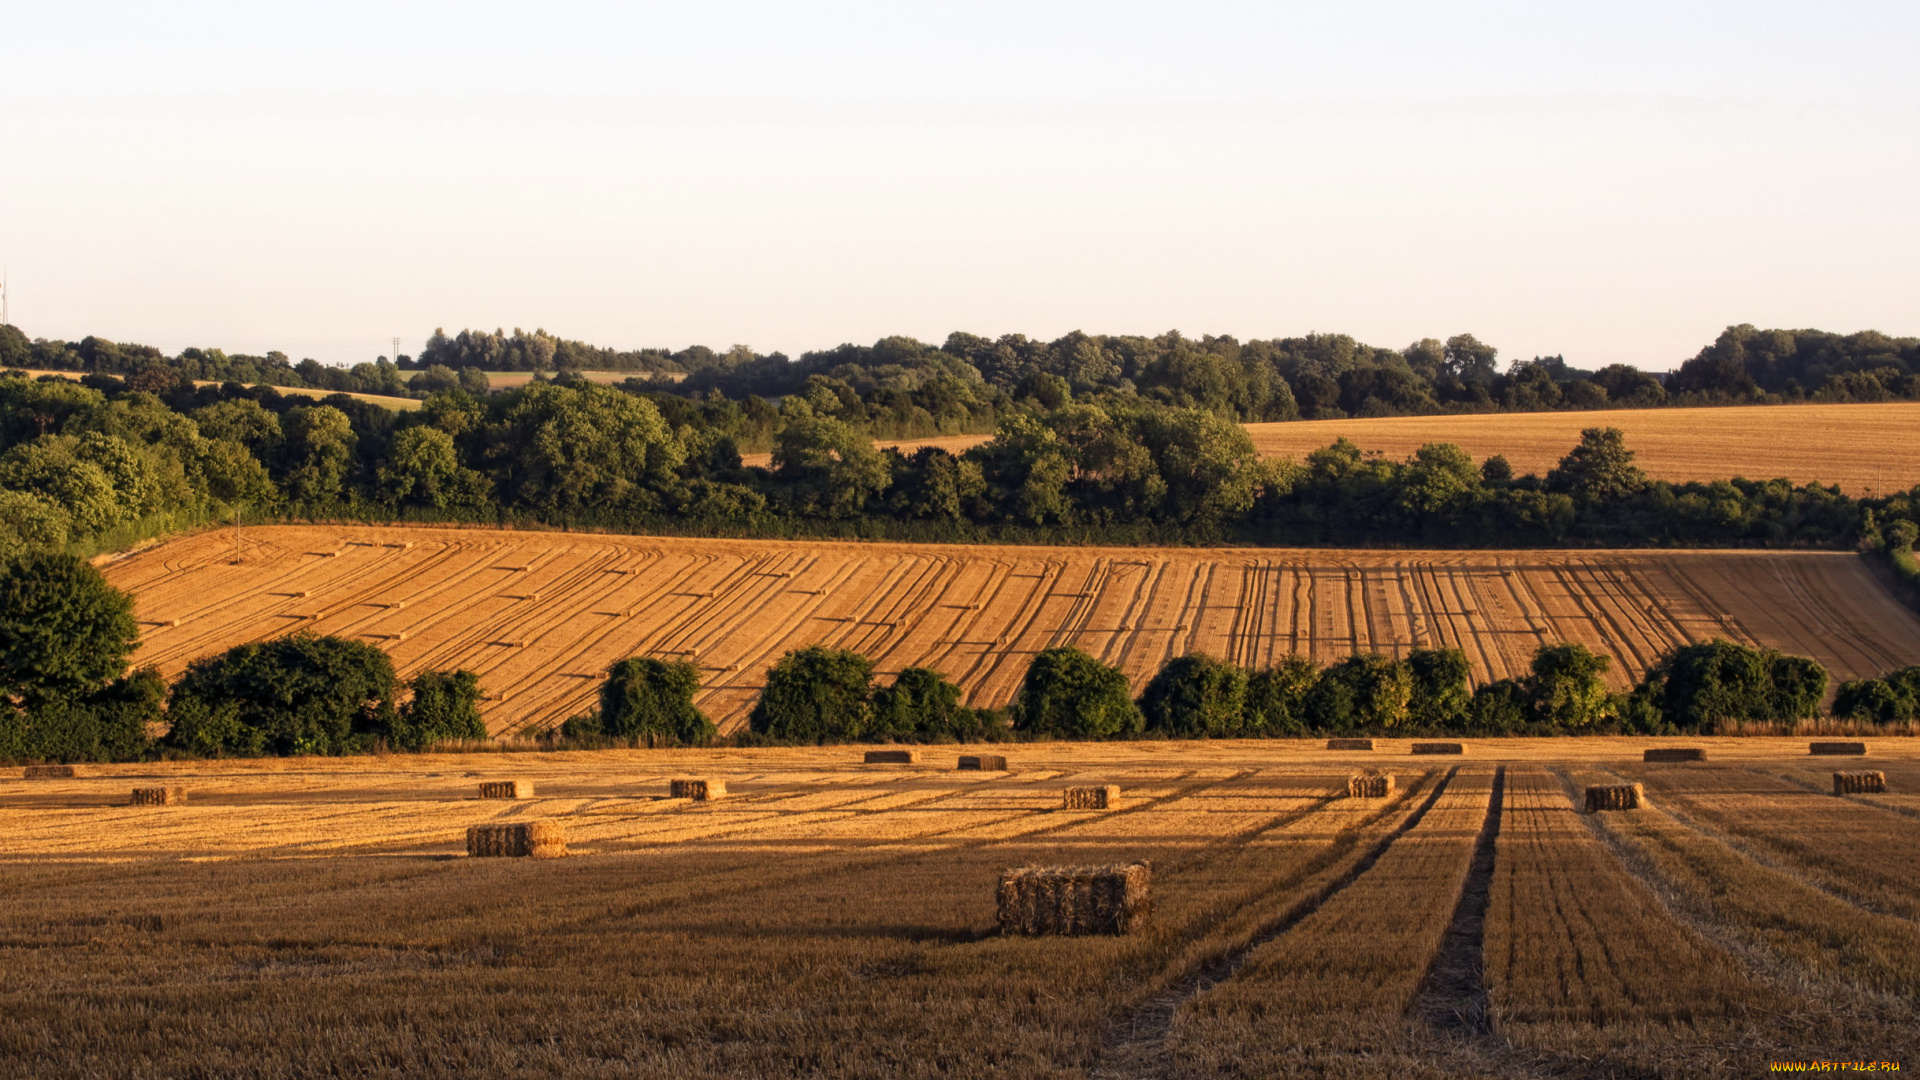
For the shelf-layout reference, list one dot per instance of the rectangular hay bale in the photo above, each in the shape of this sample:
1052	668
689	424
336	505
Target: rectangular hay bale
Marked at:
691	788
48	772
1100	797
1369	786
1863	782
506	789
1439	748
1349	744
1075	900
1849	749
524	839
890	757
1675	753
983	762
1615	797
158	796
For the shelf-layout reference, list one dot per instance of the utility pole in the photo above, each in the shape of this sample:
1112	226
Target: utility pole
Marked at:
396	352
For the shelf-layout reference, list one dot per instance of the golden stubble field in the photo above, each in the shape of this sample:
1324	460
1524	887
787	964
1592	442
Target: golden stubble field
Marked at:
540	616
317	917
1863	448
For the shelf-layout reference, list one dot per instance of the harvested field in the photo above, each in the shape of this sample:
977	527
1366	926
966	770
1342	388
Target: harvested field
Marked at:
841	920
1862	448
446	598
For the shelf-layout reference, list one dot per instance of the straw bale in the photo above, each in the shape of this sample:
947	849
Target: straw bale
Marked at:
1859	783
538	839
1439	748
1075	900
890	757
1615	797
1675	753
1103	797
1369	786
1349	744
1837	748
49	772
983	762
697	789
158	796
506	789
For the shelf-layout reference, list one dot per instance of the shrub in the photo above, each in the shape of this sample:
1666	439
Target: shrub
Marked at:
1566	686
107	725
1500	706
1277	697
1196	695
1875	700
815	694
1723	680
1366	690
64	632
445	707
1069	694
1442	694
297	695
921	704
653	699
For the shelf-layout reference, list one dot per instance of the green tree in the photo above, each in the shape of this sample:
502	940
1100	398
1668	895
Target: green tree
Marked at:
1196	696
297	695
109	724
586	450
1441	695
1599	470
921	703
445	708
1366	690
815	695
1722	680
423	469
1568	689
318	453
650	699
830	466
1068	694
30	522
1277	697
1504	705
64	631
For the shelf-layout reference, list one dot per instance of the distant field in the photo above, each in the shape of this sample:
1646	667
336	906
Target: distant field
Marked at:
398	404
508	380
319	917
1860	447
542	615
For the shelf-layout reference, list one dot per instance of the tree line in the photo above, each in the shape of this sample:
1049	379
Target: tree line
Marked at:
96	461
904	388
67	693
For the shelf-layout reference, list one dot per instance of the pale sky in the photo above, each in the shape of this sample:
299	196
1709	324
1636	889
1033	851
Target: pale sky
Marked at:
1613	181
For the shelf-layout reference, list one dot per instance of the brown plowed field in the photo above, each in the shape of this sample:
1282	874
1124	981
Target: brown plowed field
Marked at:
1860	447
541	615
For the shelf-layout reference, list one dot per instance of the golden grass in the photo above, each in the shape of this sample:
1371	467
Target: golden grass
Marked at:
839	920
398	404
976	614
1862	448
